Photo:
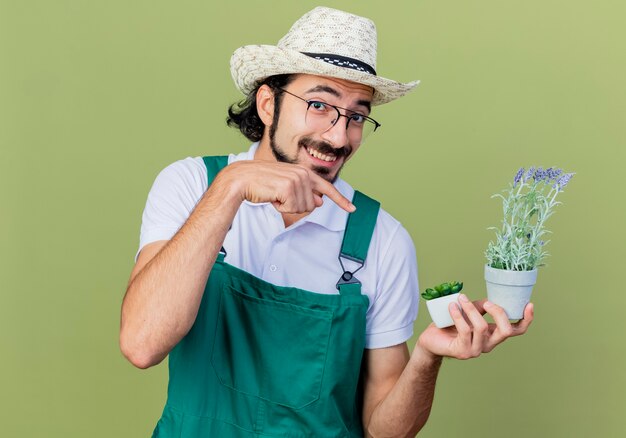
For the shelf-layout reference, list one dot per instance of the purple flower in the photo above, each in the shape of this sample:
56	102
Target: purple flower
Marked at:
562	181
553	173
518	176
529	173
539	175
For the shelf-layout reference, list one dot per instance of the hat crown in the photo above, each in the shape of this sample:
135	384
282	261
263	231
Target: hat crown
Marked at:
330	31
323	42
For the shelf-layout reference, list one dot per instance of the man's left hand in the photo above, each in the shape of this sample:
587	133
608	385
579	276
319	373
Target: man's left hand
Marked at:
471	335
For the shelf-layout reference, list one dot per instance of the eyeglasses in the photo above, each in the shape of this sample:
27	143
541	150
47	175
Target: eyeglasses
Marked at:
322	116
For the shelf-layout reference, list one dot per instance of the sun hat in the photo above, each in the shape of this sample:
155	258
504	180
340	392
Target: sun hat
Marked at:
323	42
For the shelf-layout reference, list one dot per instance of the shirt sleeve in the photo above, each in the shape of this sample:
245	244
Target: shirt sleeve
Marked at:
393	313
172	198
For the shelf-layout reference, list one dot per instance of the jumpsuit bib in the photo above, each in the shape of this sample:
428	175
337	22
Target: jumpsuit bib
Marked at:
269	361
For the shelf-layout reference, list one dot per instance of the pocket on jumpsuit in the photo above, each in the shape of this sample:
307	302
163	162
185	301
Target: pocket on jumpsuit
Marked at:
271	349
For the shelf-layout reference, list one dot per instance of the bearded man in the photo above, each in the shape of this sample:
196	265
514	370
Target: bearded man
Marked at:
283	297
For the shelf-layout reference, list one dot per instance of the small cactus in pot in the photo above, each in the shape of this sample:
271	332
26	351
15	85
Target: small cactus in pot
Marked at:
439	298
442	290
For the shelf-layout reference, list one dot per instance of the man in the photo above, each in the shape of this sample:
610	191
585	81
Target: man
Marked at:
284	308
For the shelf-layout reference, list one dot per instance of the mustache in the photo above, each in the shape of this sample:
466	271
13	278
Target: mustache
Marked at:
325	148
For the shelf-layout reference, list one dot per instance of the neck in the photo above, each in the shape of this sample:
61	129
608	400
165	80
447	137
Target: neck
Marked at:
264	151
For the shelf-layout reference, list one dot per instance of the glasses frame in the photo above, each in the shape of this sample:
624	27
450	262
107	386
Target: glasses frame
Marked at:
310	102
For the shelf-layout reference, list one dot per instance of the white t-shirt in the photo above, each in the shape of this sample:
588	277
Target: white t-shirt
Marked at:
303	255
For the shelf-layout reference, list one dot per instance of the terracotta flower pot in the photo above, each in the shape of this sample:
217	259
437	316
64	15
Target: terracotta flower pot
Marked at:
438	309
510	290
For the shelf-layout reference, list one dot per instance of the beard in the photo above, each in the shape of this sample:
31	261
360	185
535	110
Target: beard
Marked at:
307	142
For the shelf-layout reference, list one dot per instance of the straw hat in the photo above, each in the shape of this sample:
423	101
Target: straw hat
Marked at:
323	42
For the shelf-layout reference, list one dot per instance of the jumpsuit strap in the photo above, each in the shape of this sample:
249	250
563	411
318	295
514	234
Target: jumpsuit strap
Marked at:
213	167
356	240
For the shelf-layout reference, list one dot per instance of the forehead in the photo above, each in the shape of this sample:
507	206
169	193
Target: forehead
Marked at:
304	82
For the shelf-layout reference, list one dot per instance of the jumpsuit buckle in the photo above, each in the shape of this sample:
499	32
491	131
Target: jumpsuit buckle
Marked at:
348	277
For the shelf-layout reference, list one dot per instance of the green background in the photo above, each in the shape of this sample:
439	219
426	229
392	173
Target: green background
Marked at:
97	97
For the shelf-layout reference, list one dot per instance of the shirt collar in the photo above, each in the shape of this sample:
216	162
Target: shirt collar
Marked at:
329	215
246	155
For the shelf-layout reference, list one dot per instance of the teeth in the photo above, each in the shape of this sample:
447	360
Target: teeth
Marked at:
320	156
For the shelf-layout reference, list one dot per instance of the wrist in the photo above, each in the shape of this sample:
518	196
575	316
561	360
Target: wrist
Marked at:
229	187
424	358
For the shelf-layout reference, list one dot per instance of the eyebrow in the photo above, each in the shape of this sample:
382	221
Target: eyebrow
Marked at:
326	89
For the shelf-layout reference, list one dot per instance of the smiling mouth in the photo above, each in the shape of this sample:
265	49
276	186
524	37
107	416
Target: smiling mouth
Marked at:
320	156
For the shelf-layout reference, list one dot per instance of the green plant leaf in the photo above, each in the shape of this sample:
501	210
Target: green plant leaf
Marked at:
443	289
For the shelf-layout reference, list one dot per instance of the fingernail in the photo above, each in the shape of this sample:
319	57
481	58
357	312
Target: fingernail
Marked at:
487	304
463	298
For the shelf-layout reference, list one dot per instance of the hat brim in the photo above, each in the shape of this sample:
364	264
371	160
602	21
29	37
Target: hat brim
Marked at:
250	64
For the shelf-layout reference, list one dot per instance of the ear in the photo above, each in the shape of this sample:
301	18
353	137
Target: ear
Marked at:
265	104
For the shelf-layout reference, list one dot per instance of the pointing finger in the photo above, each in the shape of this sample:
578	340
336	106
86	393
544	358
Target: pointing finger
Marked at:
323	187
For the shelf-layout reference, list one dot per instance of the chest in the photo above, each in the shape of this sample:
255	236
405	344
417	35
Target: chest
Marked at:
303	255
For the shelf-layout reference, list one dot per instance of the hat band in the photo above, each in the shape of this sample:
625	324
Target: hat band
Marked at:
342	61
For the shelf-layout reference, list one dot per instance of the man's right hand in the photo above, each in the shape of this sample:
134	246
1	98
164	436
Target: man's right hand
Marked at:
291	188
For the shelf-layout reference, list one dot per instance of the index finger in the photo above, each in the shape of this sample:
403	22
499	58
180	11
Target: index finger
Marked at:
323	187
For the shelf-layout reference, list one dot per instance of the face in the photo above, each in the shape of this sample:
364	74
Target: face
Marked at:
292	140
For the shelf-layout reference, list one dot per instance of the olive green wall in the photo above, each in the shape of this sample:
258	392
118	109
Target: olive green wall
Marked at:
97	97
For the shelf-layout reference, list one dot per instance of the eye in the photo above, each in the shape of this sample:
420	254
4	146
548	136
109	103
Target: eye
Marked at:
318	106
357	118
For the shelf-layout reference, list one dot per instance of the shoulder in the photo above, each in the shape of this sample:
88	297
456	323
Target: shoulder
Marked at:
392	245
390	240
387	228
386	223
189	171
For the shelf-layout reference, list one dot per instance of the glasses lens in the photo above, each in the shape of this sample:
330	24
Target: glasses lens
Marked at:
320	116
365	129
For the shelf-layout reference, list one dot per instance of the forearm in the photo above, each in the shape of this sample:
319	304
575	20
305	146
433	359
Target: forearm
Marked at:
404	411
162	300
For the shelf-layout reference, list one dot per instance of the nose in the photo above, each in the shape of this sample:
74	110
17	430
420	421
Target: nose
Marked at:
337	134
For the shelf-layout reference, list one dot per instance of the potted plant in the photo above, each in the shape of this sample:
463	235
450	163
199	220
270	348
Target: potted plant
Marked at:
519	248
439	298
